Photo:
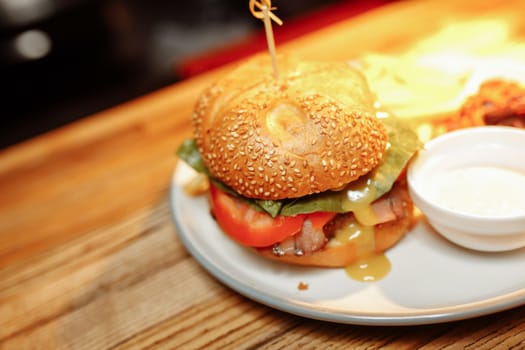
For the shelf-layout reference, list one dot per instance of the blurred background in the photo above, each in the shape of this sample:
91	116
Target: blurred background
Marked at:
61	60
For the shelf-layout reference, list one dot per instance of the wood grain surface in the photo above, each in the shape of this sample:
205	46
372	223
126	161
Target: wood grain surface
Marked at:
90	258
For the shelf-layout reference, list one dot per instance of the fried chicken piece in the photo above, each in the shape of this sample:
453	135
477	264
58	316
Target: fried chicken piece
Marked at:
498	102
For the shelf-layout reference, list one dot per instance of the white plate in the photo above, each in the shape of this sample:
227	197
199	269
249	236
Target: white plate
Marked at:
431	280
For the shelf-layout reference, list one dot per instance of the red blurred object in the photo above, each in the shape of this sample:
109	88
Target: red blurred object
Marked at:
291	29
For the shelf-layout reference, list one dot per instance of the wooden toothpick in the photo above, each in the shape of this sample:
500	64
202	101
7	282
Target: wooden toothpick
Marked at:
265	13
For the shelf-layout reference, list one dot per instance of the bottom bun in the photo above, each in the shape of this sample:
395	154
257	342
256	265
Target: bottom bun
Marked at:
386	235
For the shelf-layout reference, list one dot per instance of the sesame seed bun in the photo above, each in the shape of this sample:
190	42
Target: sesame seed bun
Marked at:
313	129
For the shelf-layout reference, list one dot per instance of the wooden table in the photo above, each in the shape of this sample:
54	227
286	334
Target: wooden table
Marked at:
90	258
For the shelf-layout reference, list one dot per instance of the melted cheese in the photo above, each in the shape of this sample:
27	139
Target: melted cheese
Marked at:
360	195
355	233
369	269
370	266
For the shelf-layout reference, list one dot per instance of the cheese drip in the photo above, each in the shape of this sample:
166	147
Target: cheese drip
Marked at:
359	231
369	269
358	234
370	266
360	194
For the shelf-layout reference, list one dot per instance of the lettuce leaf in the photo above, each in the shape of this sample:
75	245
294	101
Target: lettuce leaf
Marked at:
189	152
403	143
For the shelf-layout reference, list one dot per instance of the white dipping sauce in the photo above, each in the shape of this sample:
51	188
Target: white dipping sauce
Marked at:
478	190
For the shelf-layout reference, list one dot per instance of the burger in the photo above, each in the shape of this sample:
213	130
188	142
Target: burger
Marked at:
301	169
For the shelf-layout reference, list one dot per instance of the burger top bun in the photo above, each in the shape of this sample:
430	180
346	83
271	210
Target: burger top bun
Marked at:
310	130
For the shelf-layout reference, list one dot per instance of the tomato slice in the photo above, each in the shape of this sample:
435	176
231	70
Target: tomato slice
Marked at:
253	228
249	226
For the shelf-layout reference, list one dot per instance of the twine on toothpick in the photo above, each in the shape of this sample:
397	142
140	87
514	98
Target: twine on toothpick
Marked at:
263	10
